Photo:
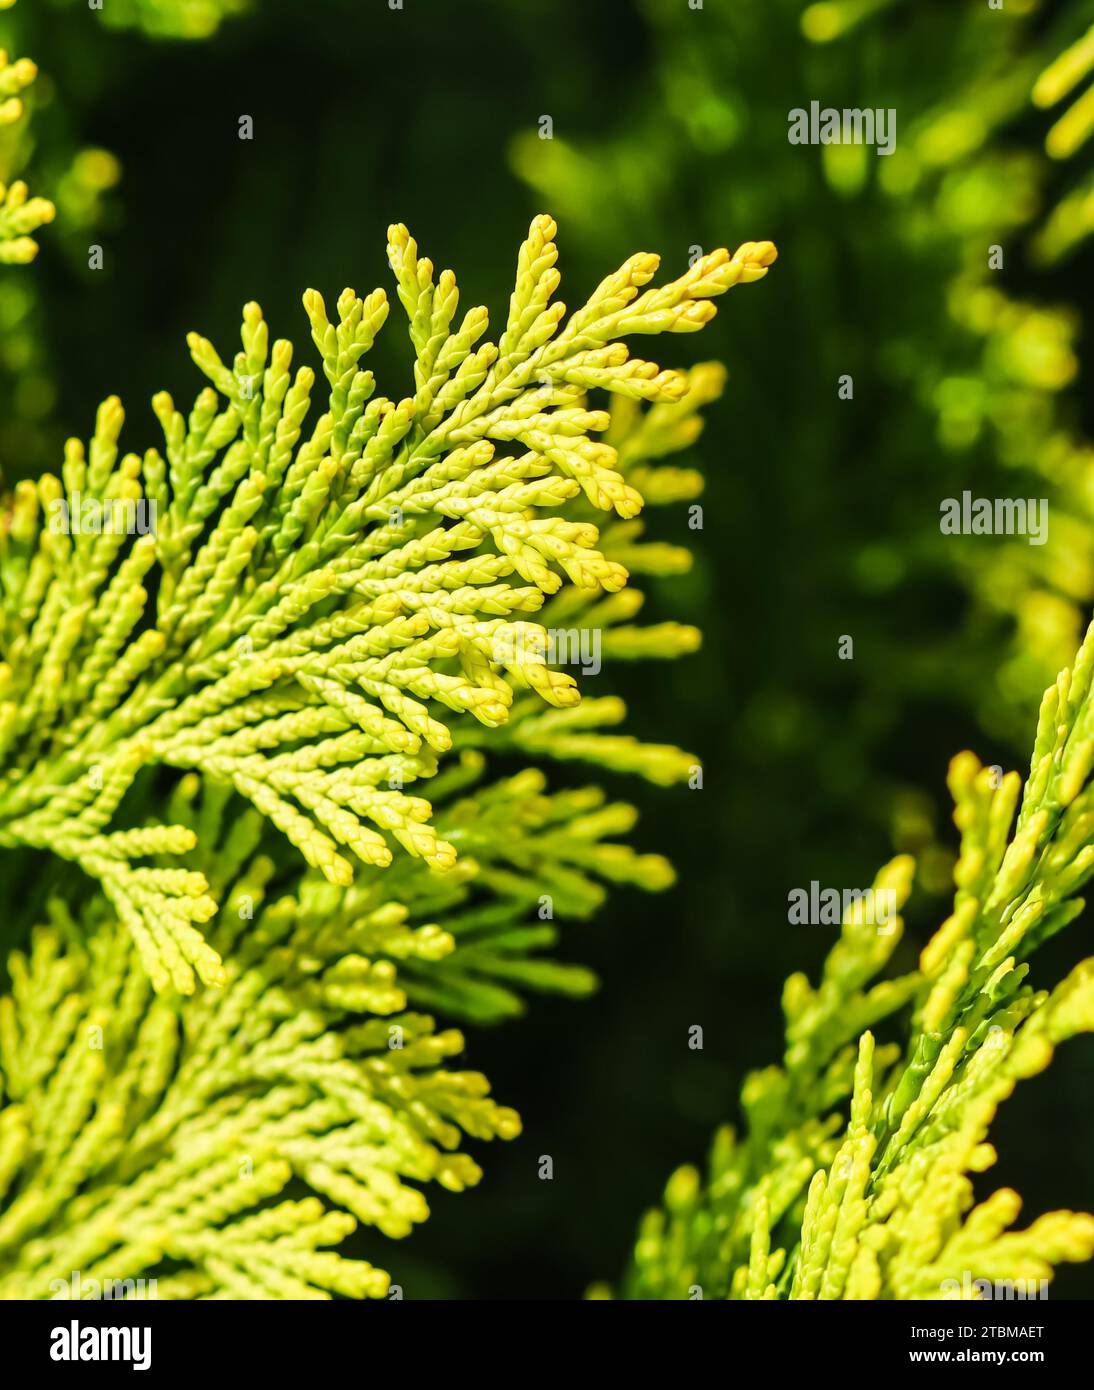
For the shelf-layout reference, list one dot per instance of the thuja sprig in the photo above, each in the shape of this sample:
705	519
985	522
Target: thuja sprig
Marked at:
854	1175
311	603
146	1136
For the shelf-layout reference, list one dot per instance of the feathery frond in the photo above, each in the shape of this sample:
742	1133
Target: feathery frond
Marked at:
304	607
854	1176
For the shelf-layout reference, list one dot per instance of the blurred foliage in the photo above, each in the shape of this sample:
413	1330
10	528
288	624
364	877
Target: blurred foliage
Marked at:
163	19
961	370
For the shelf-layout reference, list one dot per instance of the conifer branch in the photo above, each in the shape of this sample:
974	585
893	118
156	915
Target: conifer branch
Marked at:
854	1175
144	1132
311	608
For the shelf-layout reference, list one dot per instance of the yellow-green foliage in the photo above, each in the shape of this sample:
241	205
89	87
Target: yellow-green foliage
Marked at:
144	1132
139	1131
853	1178
311	602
